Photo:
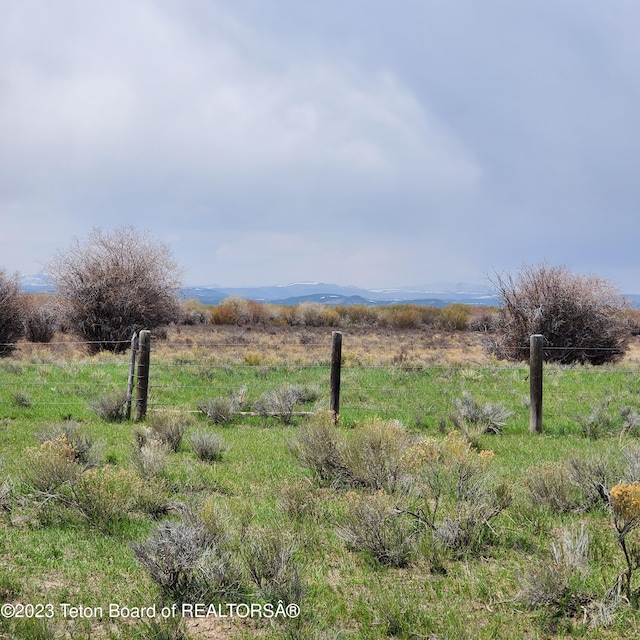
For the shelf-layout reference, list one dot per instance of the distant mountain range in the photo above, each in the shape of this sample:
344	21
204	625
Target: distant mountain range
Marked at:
333	294
438	295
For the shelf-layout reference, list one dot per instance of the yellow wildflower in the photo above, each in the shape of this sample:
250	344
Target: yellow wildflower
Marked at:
625	499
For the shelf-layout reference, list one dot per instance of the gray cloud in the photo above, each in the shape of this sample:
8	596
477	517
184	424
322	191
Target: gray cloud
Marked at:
356	142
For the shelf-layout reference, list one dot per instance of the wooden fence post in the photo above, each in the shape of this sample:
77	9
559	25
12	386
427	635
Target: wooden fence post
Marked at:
336	362
535	383
142	386
132	371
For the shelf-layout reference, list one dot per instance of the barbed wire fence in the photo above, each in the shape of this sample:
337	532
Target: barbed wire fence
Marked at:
54	379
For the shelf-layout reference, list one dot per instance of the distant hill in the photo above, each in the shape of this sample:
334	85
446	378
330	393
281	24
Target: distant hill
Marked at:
330	294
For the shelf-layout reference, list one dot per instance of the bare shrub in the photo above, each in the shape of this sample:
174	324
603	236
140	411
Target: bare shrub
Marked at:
194	313
114	284
111	407
483	322
41	319
631	463
209	447
6	493
373	524
172	555
11	313
582	318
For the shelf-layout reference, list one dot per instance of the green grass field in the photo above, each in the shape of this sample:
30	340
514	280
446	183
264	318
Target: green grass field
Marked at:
54	554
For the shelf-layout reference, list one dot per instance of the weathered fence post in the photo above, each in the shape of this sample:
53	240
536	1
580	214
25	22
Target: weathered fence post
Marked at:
142	382
336	361
535	383
132	371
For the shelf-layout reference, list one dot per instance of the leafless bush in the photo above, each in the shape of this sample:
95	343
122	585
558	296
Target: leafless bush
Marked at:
195	559
194	313
483	322
11	313
582	318
116	283
41	319
209	447
631	463
372	523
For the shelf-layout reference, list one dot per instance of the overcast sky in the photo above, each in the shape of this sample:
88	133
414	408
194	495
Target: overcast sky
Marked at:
365	142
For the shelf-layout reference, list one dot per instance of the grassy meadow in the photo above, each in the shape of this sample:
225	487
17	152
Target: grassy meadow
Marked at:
410	530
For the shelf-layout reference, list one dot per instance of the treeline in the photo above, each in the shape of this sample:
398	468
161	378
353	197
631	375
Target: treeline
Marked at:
239	311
